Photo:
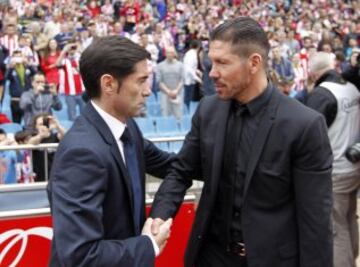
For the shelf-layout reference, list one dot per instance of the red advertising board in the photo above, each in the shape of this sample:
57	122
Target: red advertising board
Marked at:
26	241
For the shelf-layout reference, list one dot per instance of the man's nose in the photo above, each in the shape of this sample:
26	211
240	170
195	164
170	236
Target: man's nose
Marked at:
214	73
147	91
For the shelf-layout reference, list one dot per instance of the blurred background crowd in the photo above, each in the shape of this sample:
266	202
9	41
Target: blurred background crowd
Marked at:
41	91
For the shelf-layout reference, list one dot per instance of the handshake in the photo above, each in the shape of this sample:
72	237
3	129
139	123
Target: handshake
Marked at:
158	230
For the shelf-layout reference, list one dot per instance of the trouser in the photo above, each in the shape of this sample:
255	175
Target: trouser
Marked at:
169	108
16	112
346	233
71	102
188	93
212	254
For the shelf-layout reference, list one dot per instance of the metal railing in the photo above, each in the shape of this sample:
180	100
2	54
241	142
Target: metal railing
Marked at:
46	147
11	192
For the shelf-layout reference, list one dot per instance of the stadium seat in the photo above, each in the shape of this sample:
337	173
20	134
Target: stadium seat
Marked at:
153	110
151	99
175	146
61	115
66	124
11	127
193	107
146	126
185	124
167	126
163	146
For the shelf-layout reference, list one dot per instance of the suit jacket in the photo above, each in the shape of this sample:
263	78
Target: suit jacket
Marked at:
287	189
90	195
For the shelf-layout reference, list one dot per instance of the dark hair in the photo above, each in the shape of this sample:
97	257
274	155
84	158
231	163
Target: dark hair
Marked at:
22	136
2	131
112	55
245	34
39	73
195	44
36	117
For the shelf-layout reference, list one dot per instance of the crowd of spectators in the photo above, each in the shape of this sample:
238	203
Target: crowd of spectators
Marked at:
41	42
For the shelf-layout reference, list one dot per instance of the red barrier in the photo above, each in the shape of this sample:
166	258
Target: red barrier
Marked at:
26	241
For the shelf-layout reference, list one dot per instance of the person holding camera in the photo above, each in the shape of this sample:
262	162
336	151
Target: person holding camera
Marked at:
18	75
71	84
46	129
338	101
41	98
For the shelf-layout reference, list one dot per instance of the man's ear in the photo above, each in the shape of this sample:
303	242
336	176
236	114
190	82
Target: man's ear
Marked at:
255	62
107	84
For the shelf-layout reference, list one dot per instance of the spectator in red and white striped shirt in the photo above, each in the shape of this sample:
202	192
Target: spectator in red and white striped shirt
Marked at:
70	80
11	39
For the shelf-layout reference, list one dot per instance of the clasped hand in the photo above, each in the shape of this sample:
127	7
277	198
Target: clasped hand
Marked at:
159	230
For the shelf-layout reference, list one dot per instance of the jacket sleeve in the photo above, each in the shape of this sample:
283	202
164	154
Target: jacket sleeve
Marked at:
185	168
313	194
26	100
78	186
322	100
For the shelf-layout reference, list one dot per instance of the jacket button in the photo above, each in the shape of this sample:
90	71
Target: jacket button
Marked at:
199	236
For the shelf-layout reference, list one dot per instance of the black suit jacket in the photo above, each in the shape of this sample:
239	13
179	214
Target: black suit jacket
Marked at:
287	192
91	197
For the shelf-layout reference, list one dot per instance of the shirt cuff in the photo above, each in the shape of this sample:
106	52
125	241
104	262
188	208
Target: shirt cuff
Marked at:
156	247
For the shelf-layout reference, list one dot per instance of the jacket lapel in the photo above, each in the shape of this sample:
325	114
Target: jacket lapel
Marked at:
91	114
263	131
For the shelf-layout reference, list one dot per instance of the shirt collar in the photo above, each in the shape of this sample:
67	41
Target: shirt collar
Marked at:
116	127
258	103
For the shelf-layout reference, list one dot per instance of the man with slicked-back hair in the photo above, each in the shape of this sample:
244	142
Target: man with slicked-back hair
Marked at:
265	160
97	182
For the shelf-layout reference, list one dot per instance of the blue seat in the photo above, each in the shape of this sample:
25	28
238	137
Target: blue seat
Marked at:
146	126
61	115
175	146
151	99
185	124
163	146
153	110
193	107
167	126
11	127
66	124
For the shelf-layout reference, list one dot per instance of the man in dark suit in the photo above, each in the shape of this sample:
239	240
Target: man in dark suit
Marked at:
266	164
97	184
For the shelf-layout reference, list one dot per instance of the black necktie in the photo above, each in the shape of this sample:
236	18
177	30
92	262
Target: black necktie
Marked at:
132	166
